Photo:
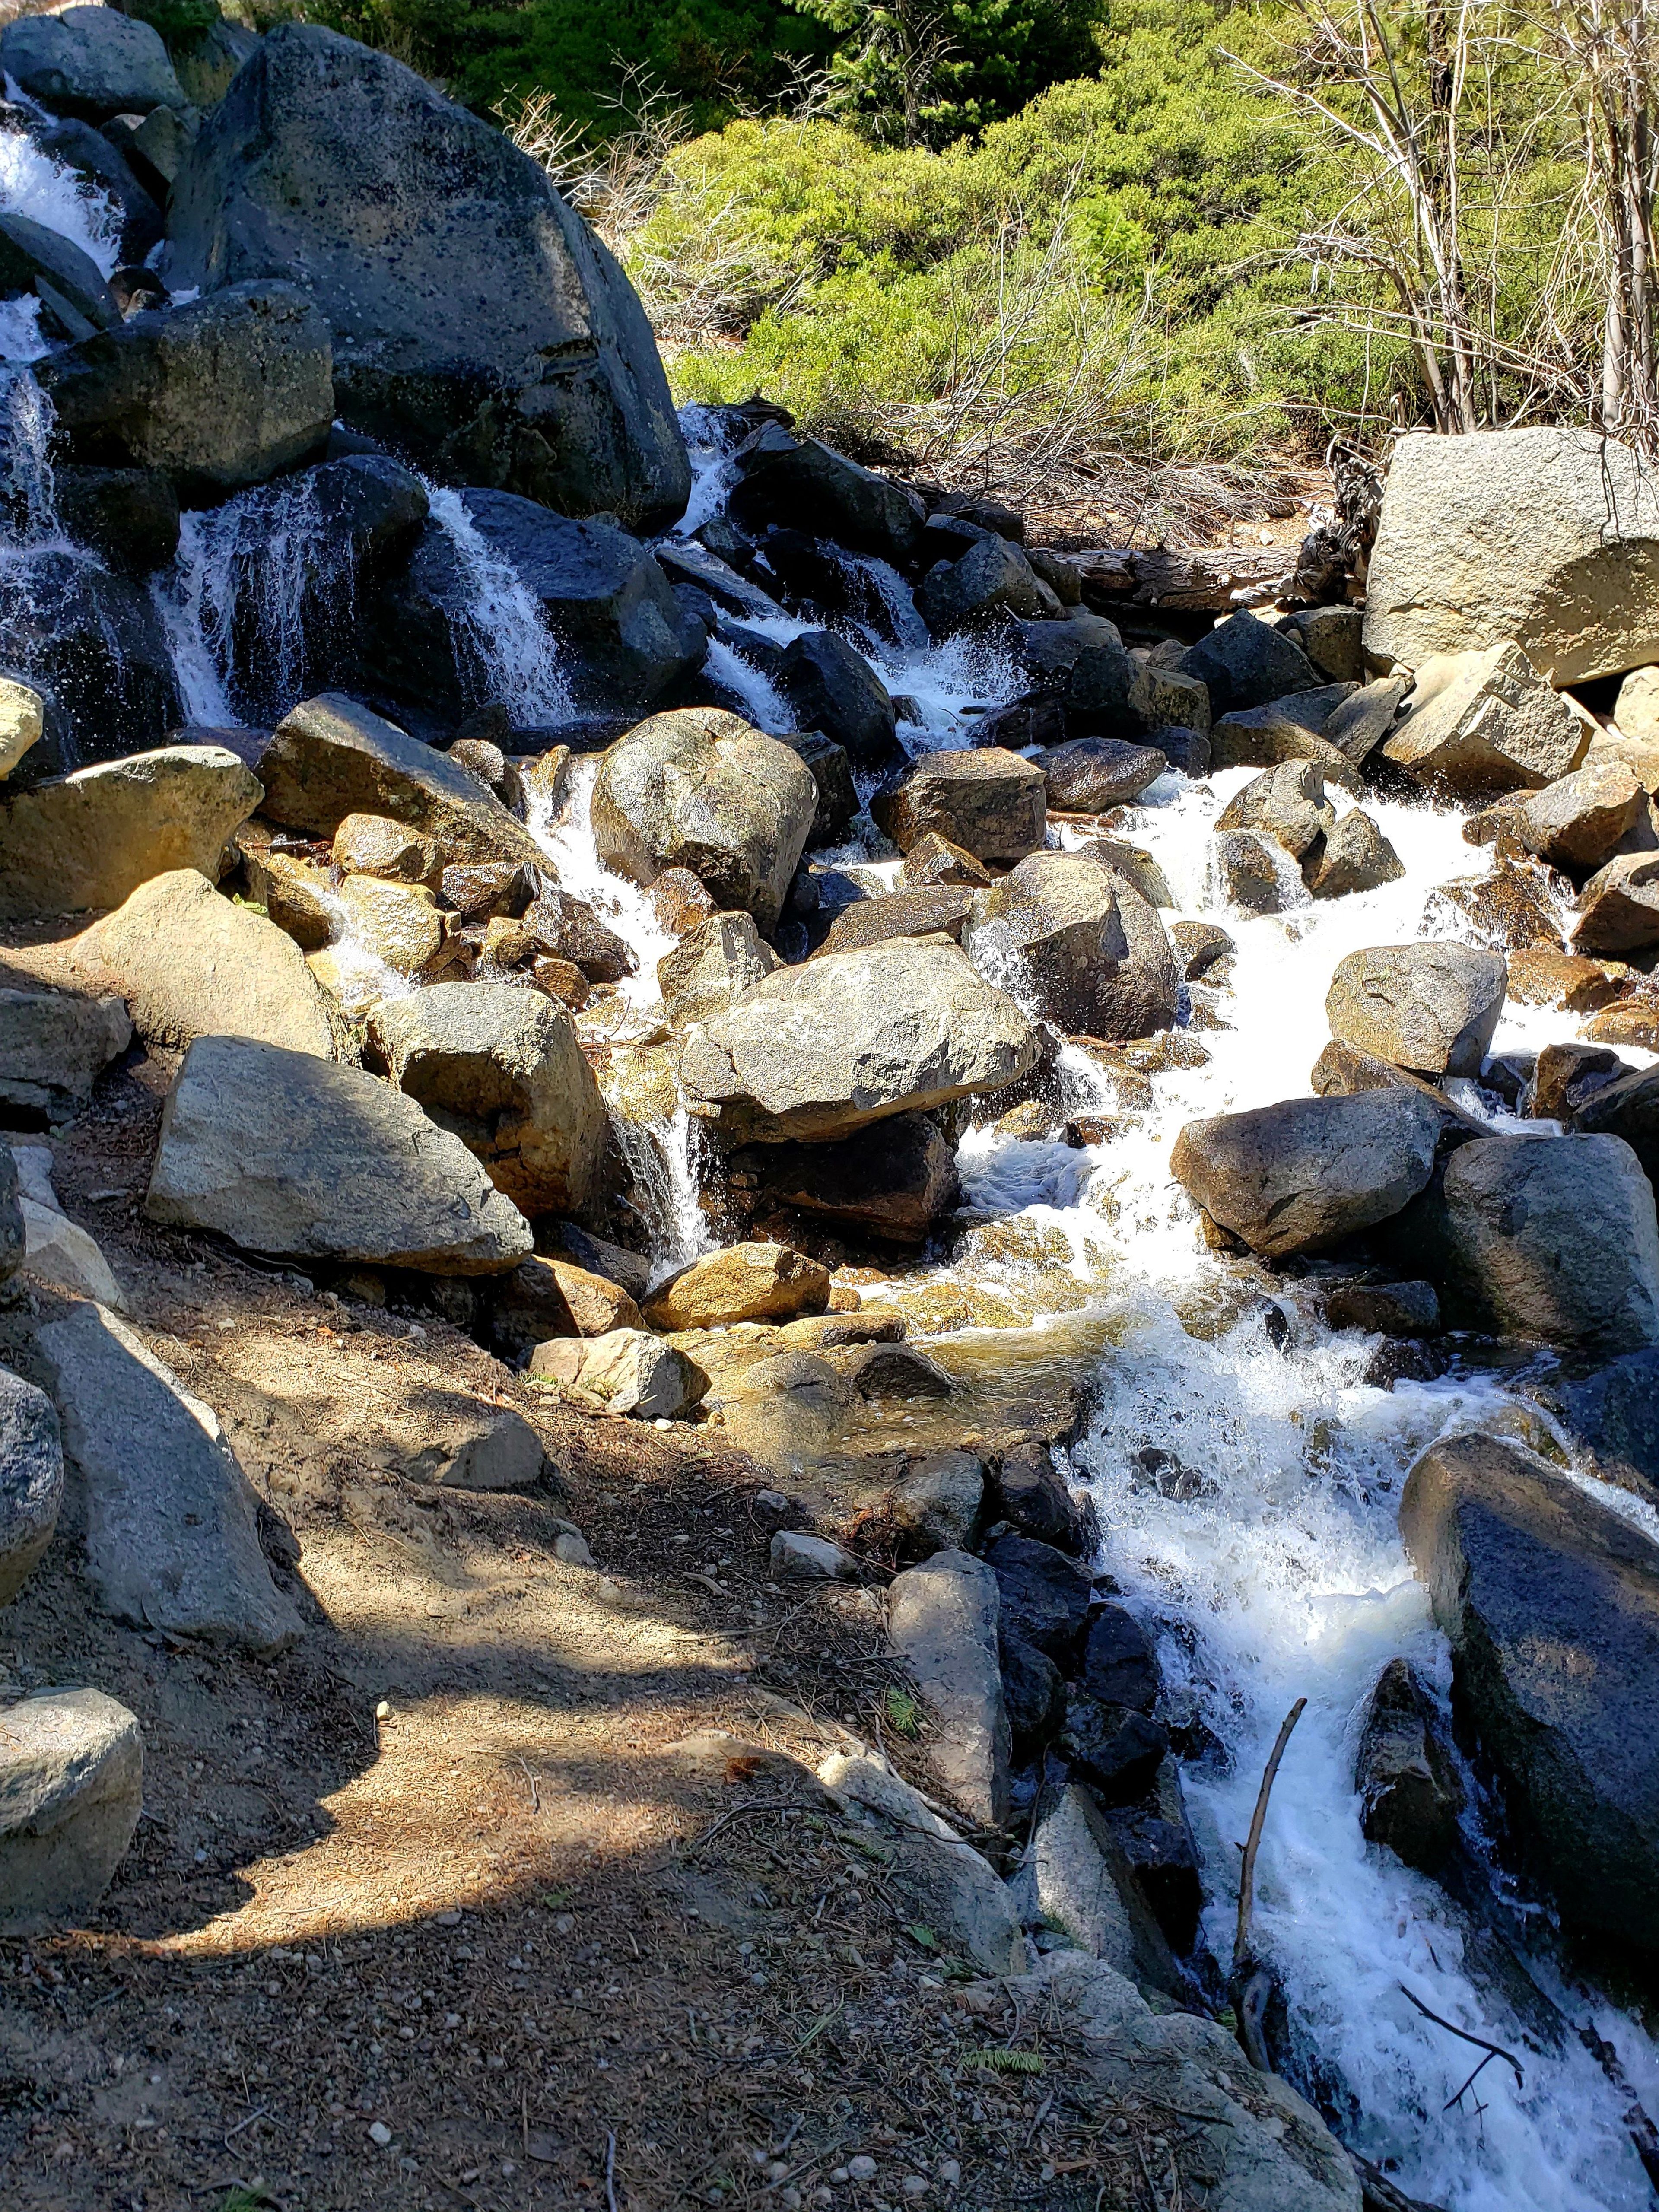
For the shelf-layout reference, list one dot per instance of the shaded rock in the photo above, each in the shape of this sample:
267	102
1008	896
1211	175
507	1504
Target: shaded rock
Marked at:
502	1070
1289	729
482	1447
36	261
1045	1596
1613	1416
1619	907
1544	535
1243	662
1578	822
819	1051
941	1880
943	1618
54	1046
1119	1667
740	1282
479	324
835	691
893	1182
1086	1889
329	759
1410	1795
220	394
1331	638
1430	1007
31	1484
936	1505
12	1233
1358	726
91	643
939	910
897	1370
623	637
1157	1842
1481	723
302	1158
547	1297
90	839
1083	942
1551	1603
190	963
172	1539
710	965
783	478
129	516
1033	1691
56	1249
1092	774
992	578
1302	1176
96	161
831	770
699	788
1385	1309
1031	1495
91	62
1113	1746
1555	1238
71	1791
989	802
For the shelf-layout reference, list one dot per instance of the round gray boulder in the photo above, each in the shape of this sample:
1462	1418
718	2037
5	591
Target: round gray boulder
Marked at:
1430	1007
1077	940
71	1789
90	62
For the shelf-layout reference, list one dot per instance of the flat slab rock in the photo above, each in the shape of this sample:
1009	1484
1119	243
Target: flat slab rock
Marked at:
305	1159
172	1539
71	1789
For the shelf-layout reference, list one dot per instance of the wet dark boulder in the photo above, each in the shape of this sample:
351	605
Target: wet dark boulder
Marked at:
1410	1794
1245	662
92	642
623	637
991	579
831	770
220	394
99	163
893	1182
1156	1840
480	328
1035	1692
1628	1108
1031	1495
833	690
1045	1596
1113	1746
1120	1666
1551	1603
69	284
990	802
1612	1414
129	517
806	485
91	62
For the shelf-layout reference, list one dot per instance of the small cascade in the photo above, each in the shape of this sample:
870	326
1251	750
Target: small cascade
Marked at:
28	511
501	626
565	834
259	591
761	701
662	1168
710	442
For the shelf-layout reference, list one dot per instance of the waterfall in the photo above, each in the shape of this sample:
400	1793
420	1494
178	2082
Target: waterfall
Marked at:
662	1167
500	624
28	513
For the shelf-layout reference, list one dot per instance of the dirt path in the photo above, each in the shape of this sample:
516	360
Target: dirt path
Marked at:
448	1906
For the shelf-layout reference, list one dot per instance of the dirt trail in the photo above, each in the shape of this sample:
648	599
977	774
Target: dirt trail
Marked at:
441	1907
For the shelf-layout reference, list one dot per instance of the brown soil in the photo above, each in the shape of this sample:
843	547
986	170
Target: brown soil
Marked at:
440	1908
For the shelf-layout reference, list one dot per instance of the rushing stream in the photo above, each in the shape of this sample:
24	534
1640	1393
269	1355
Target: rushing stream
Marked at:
1276	1571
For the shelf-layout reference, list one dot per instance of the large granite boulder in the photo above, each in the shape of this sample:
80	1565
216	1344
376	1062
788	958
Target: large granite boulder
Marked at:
942	1619
711	964
990	802
1555	1238
93	62
305	1159
1077	942
699	788
623	637
1579	821
219	394
1551	1603
478	324
1549	537
190	963
1619	907
1479	723
1628	1109
1429	1007
502	1069
1288	729
71	1791
1302	1176
331	757
797	481
172	1532
819	1051
88	840
834	692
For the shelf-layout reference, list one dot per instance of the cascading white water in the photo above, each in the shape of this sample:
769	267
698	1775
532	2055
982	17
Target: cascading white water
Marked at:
1284	1576
500	622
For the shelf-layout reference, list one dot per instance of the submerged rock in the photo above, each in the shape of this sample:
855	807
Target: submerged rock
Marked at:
1410	1795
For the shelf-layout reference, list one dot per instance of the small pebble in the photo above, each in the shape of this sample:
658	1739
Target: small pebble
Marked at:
380	2133
950	2171
660	1423
861	2168
914	2185
839	2175
777	2171
790	2199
